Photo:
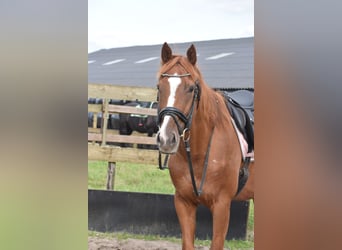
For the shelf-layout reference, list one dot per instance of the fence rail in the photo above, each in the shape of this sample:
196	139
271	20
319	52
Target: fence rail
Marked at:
121	92
101	140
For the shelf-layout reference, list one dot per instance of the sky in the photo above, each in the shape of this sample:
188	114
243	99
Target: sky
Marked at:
124	23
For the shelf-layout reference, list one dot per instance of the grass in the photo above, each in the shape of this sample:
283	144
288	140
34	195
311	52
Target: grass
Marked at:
131	177
149	179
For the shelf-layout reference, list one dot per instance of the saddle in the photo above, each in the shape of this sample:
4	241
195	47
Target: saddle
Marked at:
240	104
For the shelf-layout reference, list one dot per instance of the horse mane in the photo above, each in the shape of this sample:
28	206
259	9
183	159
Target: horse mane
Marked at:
212	103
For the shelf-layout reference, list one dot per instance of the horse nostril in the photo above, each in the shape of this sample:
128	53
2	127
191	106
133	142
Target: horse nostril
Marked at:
173	140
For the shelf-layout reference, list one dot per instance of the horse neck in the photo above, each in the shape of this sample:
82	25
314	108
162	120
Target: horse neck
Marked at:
207	108
203	124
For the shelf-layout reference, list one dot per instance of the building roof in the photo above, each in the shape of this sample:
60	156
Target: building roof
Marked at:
225	63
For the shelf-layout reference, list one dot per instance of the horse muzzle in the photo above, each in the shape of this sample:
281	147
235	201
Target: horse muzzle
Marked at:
168	142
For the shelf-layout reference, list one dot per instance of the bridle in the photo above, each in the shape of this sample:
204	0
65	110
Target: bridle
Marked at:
185	132
176	113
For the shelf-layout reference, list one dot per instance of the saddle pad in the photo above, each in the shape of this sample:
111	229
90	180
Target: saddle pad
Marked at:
243	144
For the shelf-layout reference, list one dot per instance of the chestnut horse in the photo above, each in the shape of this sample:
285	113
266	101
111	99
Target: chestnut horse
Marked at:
197	132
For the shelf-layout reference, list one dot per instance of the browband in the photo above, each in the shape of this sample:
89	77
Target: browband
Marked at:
168	75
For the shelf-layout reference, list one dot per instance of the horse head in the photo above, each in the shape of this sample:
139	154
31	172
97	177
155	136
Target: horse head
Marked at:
178	94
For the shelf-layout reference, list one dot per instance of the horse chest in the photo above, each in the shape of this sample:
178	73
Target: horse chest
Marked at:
181	178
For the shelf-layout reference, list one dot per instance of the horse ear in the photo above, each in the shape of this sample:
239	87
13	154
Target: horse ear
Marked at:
166	53
192	55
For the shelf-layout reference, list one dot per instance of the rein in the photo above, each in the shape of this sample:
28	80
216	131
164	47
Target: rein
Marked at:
185	134
198	192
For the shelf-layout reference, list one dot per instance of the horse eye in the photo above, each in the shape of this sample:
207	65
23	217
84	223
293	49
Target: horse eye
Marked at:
191	88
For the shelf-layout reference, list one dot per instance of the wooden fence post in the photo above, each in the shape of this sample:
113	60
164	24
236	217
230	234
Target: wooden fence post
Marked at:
104	120
111	175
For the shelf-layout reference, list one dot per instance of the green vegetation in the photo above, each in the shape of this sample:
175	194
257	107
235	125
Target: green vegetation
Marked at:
149	179
131	177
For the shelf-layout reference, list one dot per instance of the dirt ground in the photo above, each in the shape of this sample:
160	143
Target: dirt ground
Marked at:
96	243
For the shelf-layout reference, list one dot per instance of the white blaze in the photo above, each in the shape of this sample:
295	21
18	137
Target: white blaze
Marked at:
174	83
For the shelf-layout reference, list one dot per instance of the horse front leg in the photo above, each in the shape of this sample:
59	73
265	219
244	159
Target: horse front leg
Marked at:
186	212
221	214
